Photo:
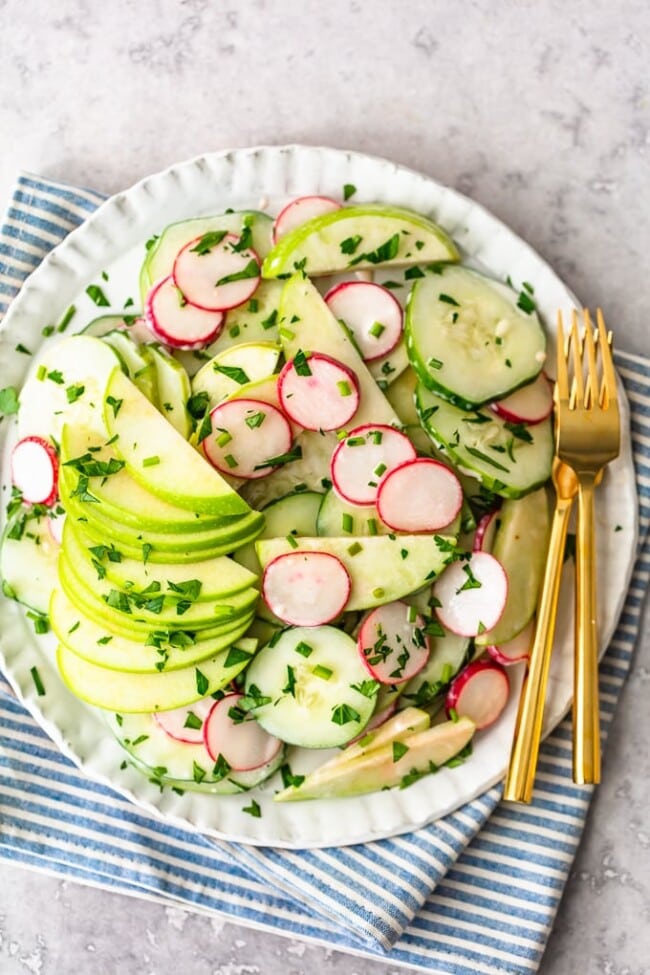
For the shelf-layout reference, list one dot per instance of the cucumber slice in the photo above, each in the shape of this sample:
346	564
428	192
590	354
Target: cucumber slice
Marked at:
139	363
448	655
179	764
160	257
294	514
520	545
28	564
381	569
110	323
359	237
235	367
167	650
181	476
79	360
337	518
509	459
308	471
308	324
401	396
468	341
127	693
310	678
174	389
119	496
218	578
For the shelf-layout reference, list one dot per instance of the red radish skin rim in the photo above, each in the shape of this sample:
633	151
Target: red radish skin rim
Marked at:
350	375
51	497
335	205
360	431
465	677
321	555
425	652
441	611
482	538
511	416
344	285
229	701
254	282
421	461
255	405
164	336
522	640
202	709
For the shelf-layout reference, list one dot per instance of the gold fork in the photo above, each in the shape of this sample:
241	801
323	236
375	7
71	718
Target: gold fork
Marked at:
587	438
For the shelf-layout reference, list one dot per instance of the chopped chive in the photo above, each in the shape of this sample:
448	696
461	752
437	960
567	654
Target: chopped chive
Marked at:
152	461
291	540
377	329
355	548
47	330
303	649
347	523
287	334
378	593
344	387
41	373
223	439
453	714
234	331
379	470
230	461
526	303
435	363
355	441
448	300
323	672
412	614
253	305
38	683
67	318
372	526
271	320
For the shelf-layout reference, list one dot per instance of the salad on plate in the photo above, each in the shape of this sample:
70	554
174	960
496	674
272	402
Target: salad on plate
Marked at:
296	503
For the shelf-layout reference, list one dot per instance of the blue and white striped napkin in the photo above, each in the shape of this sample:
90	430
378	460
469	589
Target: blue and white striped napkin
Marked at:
473	893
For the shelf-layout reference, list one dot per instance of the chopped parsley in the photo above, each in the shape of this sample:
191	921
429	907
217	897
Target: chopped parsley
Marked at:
96	294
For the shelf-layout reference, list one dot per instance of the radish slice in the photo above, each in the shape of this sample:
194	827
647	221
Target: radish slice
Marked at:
420	495
185	724
34	470
318	392
531	404
480	692
219	276
300	211
392	643
55	525
306	588
514	650
178	323
240	740
371	313
485	532
246	434
472	594
363	458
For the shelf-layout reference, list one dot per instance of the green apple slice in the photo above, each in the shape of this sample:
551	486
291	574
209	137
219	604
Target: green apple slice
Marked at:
158	608
308	324
28	564
119	496
166	650
380	768
139	362
158	457
162	252
117	691
381	568
174	389
80	364
219	578
359	237
235	367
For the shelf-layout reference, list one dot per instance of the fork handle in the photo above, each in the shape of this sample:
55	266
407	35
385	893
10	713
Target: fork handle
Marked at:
528	728
586	719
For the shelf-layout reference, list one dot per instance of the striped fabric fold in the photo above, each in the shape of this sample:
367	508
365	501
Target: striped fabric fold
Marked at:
475	892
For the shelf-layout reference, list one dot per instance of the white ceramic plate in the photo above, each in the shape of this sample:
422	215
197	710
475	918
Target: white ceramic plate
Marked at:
112	241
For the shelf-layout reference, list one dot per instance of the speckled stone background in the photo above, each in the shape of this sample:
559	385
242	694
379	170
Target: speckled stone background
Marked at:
539	110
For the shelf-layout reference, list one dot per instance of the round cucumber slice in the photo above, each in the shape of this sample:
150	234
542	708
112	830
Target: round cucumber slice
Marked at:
467	339
312	687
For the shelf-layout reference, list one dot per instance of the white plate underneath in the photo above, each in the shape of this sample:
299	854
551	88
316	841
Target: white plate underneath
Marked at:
112	241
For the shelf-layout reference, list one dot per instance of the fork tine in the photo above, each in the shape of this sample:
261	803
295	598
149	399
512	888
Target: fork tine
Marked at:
577	360
562	381
609	377
591	397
